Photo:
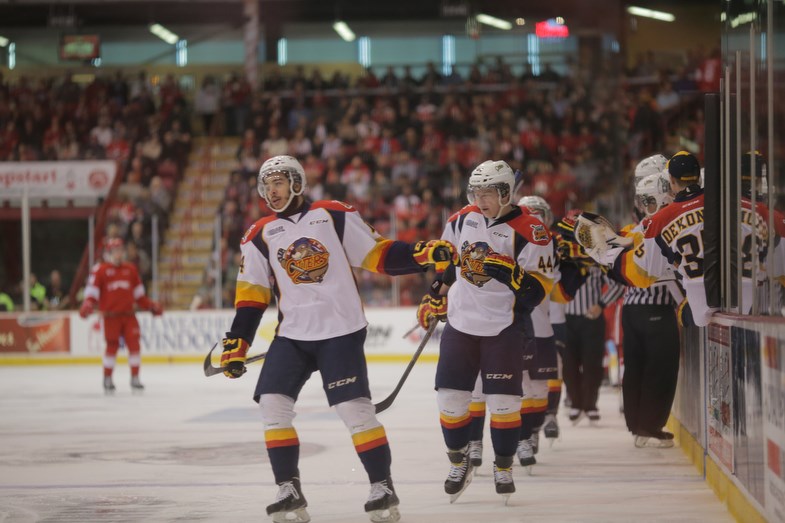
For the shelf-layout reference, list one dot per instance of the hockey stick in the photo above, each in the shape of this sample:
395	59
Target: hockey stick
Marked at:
411	330
386	402
211	370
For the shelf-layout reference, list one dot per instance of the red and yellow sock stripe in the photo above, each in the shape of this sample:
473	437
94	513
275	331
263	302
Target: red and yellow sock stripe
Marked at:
369	439
455	422
477	409
534	405
505	421
275	438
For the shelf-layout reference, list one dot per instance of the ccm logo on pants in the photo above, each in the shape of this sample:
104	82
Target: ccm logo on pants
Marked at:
498	376
341	383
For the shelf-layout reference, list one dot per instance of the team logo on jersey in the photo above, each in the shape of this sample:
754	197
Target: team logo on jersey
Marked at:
305	261
539	233
472	258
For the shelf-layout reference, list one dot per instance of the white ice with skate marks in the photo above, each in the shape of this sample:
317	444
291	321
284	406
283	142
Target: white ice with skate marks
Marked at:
190	449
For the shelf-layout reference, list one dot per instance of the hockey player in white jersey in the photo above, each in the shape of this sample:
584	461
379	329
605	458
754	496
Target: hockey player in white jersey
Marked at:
304	253
671	238
506	258
540	365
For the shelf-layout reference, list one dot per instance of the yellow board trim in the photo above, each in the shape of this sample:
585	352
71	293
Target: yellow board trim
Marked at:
18	359
724	488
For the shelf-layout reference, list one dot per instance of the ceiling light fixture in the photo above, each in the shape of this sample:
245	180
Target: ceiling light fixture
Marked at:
164	34
494	22
343	31
650	13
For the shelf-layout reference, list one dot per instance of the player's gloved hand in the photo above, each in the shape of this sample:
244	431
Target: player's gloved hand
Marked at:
432	308
156	308
233	356
439	253
504	269
86	309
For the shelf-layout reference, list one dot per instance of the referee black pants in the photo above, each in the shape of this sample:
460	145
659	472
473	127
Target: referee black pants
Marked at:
651	365
582	360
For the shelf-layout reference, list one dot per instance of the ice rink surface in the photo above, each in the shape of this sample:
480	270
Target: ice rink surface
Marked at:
191	449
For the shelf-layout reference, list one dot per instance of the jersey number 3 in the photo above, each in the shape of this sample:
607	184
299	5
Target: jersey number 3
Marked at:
691	250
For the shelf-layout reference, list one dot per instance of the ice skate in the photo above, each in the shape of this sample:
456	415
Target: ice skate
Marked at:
289	506
594	417
576	415
382	504
658	440
502	477
526	455
136	385
475	453
109	387
460	473
534	441
551	428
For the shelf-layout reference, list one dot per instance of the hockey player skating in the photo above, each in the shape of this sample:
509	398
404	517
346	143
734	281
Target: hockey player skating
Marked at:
113	287
305	254
504	271
651	335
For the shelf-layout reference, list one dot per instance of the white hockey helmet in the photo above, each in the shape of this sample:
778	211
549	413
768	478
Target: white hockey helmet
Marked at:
287	166
652	165
495	174
539	207
653	193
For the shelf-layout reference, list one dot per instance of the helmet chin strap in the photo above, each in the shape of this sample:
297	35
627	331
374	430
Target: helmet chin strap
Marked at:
502	207
286	205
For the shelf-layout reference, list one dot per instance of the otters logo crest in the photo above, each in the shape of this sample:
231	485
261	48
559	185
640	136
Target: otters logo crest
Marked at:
305	261
472	257
539	233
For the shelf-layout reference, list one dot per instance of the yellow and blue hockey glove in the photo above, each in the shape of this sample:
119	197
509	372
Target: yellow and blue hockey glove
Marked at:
432	308
504	269
437	253
233	356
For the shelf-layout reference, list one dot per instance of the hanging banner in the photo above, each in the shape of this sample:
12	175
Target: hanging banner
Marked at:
61	180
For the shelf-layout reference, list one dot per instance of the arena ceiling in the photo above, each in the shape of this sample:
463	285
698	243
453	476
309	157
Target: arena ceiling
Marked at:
84	13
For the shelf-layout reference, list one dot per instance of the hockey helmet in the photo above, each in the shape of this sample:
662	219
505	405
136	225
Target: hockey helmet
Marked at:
653	193
538	206
288	167
492	174
652	165
114	250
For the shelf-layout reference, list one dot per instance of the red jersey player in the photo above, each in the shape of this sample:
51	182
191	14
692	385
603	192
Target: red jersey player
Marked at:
114	286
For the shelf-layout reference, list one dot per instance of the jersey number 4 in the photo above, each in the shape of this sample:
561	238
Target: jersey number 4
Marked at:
545	265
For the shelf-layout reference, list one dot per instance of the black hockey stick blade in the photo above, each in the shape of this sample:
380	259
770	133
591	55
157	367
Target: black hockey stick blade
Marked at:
212	370
386	402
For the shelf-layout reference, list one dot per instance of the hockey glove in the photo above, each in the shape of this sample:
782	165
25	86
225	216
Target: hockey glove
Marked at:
233	356
87	308
439	253
156	308
504	269
432	308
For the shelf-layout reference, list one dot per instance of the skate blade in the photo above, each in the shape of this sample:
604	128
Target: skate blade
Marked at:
551	441
385	515
137	392
506	499
455	496
653	443
293	516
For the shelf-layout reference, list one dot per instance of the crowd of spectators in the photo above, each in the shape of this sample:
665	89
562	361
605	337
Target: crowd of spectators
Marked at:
146	128
397	147
400	149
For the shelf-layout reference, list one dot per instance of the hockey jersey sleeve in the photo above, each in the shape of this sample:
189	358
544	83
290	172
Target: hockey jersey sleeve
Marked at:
645	262
92	292
537	259
365	248
252	290
140	297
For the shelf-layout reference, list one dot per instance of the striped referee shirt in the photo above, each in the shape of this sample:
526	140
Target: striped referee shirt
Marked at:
654	295
590	293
